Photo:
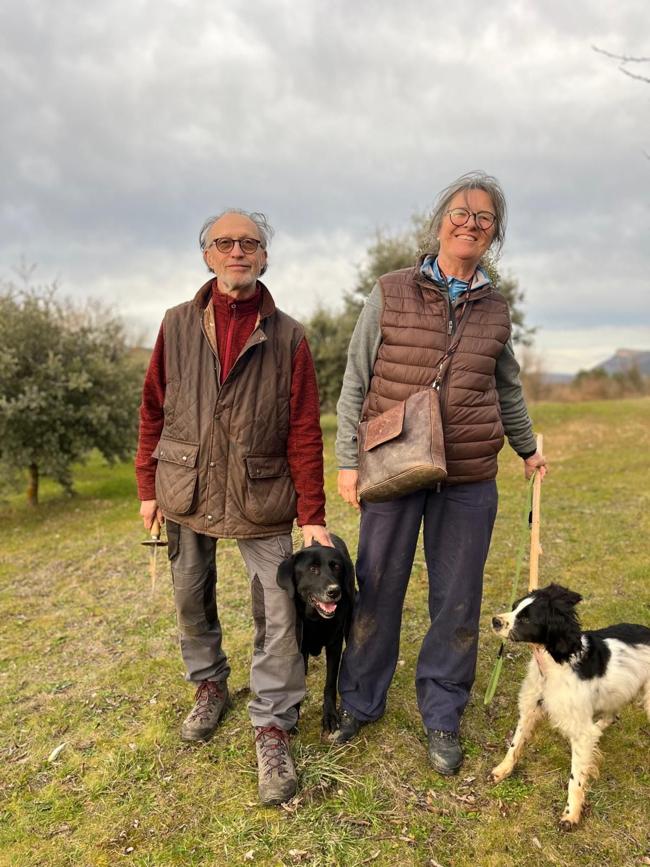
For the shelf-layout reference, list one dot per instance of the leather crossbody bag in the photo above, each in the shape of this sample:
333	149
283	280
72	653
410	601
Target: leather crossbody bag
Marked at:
403	449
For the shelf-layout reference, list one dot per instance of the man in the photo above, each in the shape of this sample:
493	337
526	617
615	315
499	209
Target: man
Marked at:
231	447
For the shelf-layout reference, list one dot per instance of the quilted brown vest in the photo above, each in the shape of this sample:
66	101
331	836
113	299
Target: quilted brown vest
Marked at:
415	335
222	457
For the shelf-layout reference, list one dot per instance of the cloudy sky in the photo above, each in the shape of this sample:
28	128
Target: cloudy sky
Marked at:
125	124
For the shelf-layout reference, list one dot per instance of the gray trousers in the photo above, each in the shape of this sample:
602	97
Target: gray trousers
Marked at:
277	671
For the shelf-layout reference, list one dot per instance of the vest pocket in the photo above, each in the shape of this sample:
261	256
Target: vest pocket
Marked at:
176	474
270	494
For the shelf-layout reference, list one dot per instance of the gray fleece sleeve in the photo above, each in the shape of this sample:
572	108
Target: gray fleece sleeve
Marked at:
514	414
362	353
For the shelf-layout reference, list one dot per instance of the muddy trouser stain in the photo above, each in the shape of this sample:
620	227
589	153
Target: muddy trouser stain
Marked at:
458	522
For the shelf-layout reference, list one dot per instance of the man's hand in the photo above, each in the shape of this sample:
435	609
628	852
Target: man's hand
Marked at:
347	485
149	510
316	533
535	462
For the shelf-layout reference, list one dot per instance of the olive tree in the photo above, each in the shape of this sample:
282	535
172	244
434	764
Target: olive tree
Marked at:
66	385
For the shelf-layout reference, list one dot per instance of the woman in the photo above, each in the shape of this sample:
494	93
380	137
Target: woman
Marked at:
404	329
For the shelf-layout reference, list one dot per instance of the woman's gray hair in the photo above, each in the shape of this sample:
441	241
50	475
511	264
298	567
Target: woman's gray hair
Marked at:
476	180
263	226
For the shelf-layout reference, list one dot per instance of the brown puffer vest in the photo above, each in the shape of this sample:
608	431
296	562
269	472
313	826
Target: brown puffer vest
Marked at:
415	335
222	456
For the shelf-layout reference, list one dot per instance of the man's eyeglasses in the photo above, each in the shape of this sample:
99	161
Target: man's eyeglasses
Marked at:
246	245
460	216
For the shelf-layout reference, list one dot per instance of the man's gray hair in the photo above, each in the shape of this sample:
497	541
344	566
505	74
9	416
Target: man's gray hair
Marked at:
476	180
264	228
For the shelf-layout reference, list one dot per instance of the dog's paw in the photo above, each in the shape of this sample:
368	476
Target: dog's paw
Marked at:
498	774
330	721
569	820
568	824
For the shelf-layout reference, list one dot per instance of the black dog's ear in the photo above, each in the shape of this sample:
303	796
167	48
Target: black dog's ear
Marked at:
286	575
348	577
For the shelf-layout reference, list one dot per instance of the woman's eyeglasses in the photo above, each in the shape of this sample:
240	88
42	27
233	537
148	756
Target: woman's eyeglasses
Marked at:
460	216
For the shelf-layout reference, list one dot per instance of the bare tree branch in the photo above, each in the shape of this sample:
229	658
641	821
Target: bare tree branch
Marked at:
632	75
624	58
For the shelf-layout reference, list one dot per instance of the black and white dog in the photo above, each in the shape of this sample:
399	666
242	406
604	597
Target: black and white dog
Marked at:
580	680
321	581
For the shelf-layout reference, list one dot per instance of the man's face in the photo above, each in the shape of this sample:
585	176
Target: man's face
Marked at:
236	271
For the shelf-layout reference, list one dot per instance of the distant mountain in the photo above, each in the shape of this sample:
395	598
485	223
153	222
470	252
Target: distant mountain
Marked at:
626	359
554	378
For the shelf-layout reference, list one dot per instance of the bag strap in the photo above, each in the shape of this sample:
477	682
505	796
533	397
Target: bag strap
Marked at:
464	316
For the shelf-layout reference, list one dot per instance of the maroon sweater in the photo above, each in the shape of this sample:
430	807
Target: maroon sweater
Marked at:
235	321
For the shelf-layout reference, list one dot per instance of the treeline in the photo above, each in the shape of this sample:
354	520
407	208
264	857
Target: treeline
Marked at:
596	384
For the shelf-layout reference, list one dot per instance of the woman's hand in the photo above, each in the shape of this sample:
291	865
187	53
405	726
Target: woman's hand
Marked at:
347	486
535	462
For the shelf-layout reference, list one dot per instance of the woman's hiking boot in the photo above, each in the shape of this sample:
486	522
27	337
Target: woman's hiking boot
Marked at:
348	728
445	753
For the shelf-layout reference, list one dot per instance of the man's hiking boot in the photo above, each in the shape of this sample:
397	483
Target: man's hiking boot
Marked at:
210	703
348	728
275	771
445	753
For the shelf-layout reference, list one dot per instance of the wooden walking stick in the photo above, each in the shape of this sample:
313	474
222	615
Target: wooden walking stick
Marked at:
535	545
532	508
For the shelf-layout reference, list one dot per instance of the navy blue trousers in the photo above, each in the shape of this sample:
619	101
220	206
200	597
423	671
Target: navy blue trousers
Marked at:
458	523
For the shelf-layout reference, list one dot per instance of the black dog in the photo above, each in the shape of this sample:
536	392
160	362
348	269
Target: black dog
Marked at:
321	580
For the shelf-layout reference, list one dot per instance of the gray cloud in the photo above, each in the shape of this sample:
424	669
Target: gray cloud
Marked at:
125	125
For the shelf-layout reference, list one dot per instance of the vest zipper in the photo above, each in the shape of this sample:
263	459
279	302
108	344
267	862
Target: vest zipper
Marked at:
213	350
229	333
259	336
451	329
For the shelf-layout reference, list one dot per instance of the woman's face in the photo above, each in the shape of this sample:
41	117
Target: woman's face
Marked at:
467	242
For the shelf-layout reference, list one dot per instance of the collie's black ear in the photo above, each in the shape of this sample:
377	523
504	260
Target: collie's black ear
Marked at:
286	575
562	625
557	593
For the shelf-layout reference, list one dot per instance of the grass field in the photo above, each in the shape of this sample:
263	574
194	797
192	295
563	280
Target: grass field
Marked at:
89	664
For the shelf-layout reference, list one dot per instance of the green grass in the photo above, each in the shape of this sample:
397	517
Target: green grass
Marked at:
88	659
